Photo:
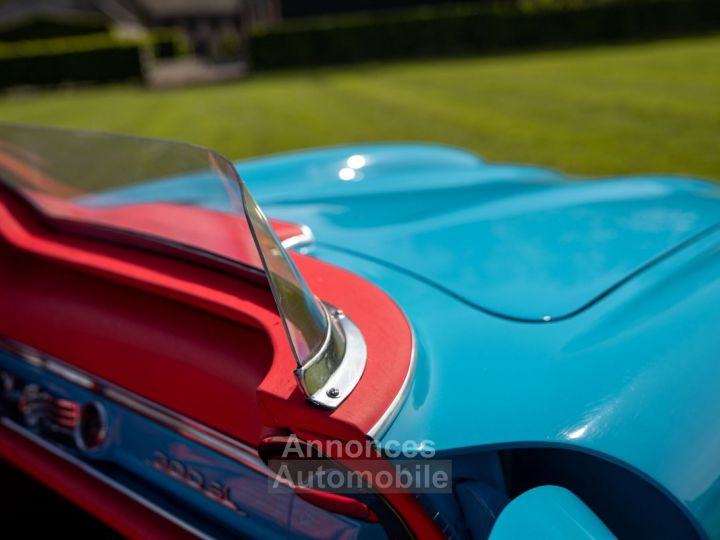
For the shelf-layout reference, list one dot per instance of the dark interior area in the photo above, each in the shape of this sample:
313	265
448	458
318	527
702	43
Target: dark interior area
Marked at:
31	507
628	504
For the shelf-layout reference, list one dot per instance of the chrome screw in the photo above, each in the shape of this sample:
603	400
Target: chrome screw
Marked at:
333	393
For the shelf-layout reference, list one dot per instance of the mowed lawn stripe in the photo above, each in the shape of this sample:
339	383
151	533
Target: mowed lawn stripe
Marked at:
638	108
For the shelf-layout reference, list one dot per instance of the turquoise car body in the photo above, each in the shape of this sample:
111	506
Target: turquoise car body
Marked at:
577	314
570	317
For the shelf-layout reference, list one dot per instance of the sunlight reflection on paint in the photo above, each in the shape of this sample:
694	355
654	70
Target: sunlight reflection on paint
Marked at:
351	172
356	162
578	433
347	174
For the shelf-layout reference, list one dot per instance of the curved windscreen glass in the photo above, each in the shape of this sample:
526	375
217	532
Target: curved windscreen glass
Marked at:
179	196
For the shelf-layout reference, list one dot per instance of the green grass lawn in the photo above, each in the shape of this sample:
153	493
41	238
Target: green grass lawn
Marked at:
652	107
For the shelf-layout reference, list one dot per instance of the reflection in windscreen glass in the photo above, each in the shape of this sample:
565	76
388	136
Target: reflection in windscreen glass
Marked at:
307	321
174	193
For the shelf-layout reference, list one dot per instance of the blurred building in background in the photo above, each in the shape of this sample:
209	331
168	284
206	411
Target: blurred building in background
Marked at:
213	28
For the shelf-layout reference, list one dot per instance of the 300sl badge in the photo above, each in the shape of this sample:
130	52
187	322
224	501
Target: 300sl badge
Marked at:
193	478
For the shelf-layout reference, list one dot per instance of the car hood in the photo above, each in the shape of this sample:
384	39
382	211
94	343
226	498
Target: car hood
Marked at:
519	242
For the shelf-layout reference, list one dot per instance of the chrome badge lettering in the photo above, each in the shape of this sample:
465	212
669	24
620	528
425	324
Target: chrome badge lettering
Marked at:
193	478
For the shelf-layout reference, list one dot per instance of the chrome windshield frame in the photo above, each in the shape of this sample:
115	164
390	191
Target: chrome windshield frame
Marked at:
339	376
329	375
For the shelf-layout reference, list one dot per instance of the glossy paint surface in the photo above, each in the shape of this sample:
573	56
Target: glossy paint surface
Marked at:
634	377
463	225
548	513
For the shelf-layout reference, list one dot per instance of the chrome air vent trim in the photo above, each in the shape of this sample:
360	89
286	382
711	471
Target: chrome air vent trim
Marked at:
178	423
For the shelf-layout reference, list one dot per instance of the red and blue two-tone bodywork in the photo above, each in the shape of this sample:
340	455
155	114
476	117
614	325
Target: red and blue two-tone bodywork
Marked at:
554	340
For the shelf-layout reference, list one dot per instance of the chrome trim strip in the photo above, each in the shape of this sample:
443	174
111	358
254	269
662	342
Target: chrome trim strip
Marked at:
383	423
69	374
199	433
304	239
186	427
14	427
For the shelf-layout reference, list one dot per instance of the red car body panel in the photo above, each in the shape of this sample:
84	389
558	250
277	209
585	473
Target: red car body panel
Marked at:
216	341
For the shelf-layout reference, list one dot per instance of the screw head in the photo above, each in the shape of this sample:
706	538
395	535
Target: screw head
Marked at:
333	393
338	313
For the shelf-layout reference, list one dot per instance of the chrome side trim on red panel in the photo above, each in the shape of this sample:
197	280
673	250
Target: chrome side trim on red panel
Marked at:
383	423
182	425
306	238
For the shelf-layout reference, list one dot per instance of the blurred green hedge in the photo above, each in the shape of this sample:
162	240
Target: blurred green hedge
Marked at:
469	29
89	58
46	27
